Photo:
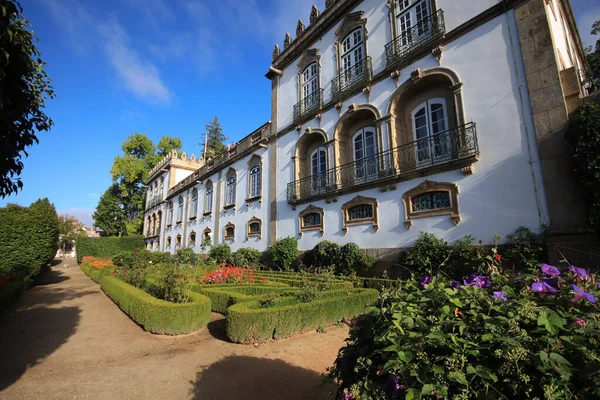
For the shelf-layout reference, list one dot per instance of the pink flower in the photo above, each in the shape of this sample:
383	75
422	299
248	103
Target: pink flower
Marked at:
580	322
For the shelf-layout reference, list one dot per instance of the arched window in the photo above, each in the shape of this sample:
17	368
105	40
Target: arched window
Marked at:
254	227
170	212
359	211
412	20
148	227
206	234
178	241
365	153
229	231
255	181
310	86
168	242
230	194
192	238
180	208
311	219
208	198
430	125
318	166
430	199
352	57
194	208
161	187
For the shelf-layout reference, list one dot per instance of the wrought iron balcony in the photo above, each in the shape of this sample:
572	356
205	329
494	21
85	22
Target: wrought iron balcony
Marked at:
353	77
308	105
454	145
154	202
417	37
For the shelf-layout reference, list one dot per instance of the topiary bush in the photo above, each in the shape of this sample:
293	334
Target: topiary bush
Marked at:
107	246
325	256
488	337
247	257
353	261
221	254
283	254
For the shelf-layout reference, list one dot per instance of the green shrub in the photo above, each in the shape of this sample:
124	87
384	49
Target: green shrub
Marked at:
283	254
223	297
158	316
123	259
158	257
170	284
220	254
249	322
29	238
185	257
107	246
325	256
353	261
523	249
505	337
247	257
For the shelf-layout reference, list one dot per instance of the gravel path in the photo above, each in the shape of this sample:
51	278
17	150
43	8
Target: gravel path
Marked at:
64	339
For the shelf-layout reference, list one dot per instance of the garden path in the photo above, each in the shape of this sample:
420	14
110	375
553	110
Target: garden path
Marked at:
66	339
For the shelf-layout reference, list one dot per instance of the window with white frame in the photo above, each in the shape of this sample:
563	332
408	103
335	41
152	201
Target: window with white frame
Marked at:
255	181
194	207
180	208
170	212
364	144
318	167
412	20
310	85
352	56
161	187
208	198
230	191
430	127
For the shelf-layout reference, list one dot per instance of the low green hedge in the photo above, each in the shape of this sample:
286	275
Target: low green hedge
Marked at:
97	273
248	323
223	297
154	315
298	281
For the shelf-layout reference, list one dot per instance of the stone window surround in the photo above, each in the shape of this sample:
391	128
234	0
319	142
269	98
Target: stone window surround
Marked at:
433	8
225	228
171	214
192	241
197	194
231	173
427	187
254	220
208	186
311	210
178	240
349	24
169	242
206	234
254	161
310	56
356	201
180	208
301	150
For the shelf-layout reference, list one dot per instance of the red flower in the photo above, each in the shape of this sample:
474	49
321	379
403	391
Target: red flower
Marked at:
498	257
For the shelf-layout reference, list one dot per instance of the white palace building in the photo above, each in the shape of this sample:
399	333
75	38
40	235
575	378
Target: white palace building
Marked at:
389	118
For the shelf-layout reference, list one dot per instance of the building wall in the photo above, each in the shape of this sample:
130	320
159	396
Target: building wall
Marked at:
501	195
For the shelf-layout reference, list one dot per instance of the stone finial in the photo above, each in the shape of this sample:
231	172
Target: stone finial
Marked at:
299	28
287	40
184	156
276	51
329	3
193	157
174	153
314	14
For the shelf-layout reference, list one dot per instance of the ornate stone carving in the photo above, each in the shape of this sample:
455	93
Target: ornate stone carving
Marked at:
329	3
184	156
287	40
395	75
426	187
309	56
367	92
468	170
352	21
314	14
416	74
299	28
437	54
276	52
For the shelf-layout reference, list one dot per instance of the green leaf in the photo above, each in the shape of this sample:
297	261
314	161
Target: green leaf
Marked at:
406	356
551	321
488	337
456	377
471	370
411	394
428	389
437	335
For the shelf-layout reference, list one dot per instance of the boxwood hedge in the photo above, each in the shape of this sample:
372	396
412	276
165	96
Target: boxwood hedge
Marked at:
107	246
154	315
248	322
223	297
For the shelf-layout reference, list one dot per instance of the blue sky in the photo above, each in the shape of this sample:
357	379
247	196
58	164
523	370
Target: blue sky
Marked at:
159	67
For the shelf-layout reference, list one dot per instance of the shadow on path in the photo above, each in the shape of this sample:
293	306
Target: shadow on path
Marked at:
251	378
218	329
28	336
52	277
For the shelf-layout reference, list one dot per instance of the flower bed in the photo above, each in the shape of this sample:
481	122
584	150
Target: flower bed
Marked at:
223	297
95	268
158	316
251	322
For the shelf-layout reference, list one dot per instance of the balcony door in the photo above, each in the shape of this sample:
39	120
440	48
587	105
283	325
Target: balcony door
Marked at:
412	21
430	126
310	87
318	168
352	58
365	154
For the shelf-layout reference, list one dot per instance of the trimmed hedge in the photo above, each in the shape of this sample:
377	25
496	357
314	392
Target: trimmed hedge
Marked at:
97	273
249	323
223	297
107	246
154	315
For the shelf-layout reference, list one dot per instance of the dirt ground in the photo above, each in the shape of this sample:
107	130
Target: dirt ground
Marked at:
66	339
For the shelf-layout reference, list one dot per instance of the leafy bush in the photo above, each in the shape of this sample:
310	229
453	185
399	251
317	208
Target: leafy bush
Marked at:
158	257
583	139
170	284
29	238
250	322
220	254
122	259
246	257
353	261
534	337
325	256
227	275
158	316
186	256
523	249
107	246
283	254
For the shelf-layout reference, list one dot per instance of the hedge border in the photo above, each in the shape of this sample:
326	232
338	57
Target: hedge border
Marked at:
223	297
154	315
248	323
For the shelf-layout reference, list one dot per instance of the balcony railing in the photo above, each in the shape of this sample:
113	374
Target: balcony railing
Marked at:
308	105
154	202
457	144
415	38
351	78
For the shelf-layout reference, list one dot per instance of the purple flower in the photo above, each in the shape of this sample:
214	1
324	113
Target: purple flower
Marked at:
425	281
477	280
580	322
583	294
499	296
455	285
579	272
543	286
550	270
392	386
348	396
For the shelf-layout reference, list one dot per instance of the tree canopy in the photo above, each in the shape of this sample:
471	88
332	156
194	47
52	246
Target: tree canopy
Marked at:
24	86
212	144
70	229
109	214
593	56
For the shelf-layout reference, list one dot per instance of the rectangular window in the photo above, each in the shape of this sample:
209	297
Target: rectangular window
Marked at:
363	211
255	181
311	220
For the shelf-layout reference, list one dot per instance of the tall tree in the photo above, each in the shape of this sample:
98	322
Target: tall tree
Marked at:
593	56
70	229
167	144
24	86
212	144
109	214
